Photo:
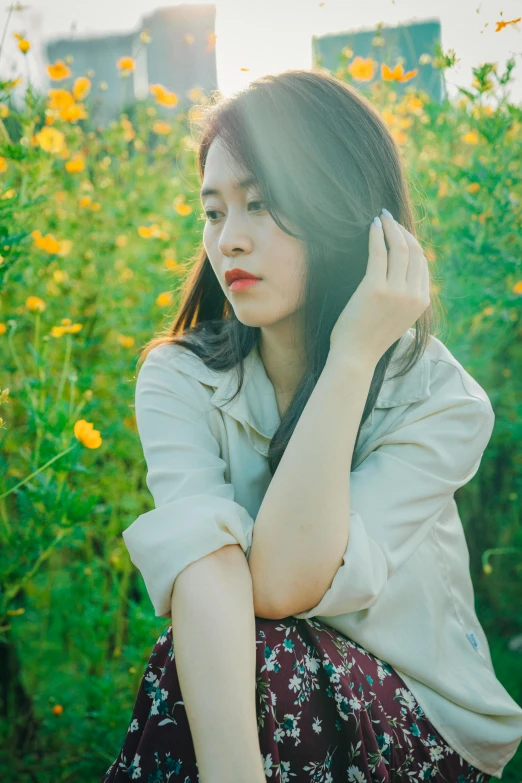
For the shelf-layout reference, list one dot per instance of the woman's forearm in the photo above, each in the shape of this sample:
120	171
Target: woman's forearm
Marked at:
214	633
302	527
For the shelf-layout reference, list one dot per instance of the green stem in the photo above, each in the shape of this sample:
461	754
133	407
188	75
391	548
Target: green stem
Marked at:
498	551
72	394
36	336
11	9
19	365
15	589
65	366
28	478
3	131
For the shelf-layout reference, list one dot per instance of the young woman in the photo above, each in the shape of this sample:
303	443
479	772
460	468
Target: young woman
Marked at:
304	443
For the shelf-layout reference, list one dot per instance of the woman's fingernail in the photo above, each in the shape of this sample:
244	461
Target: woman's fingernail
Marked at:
377	221
388	214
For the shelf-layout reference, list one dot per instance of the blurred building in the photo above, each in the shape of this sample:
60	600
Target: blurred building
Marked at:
180	56
403	41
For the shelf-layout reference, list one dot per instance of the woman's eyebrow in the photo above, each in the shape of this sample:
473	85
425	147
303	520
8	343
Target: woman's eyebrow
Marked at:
241	185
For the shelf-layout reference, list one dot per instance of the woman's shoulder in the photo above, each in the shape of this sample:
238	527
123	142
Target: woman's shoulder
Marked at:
174	360
446	372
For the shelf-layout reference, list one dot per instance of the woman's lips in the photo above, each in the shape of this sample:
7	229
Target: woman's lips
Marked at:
243	282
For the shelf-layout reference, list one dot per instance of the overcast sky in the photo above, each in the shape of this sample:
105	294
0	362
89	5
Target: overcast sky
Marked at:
269	36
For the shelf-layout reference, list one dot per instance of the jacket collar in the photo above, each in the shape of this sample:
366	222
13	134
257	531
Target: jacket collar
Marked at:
256	406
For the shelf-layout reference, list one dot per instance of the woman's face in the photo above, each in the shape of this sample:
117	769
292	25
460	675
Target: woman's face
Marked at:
240	232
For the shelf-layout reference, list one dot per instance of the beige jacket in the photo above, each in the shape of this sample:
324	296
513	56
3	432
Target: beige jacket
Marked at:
404	590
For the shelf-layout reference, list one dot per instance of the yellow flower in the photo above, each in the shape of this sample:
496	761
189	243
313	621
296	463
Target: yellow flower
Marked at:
163	96
73	113
152	232
125	341
81	87
4	110
3	165
161	127
164	299
60	99
121	240
23	45
49	243
397	74
481	111
128	131
126	64
60	196
57	709
171	263
3	328
389	117
8	194
50	140
58	71
473	187
85	201
517	288
35	303
194	94
88	436
500	25
412	104
362	69
66	328
399	136
470	138
183	209
75	165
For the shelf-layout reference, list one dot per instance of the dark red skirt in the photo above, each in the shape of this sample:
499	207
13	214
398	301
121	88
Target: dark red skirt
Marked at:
327	711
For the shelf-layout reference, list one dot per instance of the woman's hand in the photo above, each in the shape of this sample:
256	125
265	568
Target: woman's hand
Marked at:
389	299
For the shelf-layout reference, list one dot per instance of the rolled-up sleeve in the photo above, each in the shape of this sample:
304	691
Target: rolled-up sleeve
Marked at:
400	489
195	512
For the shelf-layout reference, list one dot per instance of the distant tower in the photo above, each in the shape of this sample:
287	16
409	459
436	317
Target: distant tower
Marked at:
182	53
408	41
180	56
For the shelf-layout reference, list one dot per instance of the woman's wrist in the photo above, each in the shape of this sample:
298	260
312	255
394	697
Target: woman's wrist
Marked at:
352	357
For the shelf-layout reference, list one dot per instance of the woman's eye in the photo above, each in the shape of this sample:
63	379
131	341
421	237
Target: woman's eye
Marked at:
211	212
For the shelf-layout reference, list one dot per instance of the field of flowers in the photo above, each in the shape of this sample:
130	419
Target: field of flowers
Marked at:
98	226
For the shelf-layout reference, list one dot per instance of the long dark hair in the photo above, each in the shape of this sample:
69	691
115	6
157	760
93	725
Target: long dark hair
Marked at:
325	160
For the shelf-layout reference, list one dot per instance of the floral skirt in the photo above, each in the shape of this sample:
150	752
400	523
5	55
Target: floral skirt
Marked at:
327	710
